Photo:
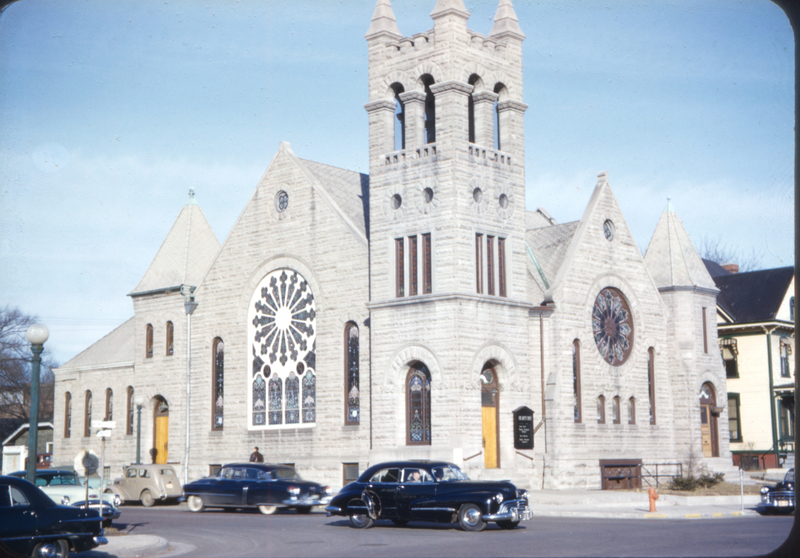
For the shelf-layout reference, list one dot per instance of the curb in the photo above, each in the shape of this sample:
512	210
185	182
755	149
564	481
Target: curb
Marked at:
135	546
642	515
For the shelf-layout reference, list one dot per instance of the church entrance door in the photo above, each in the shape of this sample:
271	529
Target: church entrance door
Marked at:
161	434
489	405
708	421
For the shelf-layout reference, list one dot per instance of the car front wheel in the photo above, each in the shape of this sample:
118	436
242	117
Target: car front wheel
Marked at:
195	503
267	510
469	517
54	549
361	521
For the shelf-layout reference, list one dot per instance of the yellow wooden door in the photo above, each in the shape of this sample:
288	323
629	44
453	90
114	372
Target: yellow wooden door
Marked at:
705	430
162	435
489	437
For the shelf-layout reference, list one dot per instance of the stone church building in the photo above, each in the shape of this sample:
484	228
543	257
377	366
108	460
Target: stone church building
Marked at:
420	312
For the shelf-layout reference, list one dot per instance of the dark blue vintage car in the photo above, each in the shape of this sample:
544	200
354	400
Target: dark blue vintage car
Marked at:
404	491
780	497
31	524
256	485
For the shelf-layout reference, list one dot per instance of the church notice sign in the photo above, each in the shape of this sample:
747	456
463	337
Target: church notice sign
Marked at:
523	428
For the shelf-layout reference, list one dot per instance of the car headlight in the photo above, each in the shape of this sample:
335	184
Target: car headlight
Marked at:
326	490
764	490
65	500
499	498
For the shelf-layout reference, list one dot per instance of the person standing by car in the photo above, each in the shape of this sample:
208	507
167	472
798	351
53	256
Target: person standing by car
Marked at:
256	457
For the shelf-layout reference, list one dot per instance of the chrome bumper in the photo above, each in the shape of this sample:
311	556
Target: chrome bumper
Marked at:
513	510
333	510
307	501
100	540
783	499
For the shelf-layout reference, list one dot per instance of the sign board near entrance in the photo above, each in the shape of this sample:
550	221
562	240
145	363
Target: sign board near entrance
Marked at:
523	428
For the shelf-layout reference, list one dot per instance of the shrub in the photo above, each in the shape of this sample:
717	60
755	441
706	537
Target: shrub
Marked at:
690	483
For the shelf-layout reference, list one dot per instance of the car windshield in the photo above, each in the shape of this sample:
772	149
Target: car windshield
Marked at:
285	473
449	473
789	476
70	480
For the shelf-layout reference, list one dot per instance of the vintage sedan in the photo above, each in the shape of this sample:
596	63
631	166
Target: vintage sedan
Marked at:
256	485
33	525
404	491
780	497
146	484
64	487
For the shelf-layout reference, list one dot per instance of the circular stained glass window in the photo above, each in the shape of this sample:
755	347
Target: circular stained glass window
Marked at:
608	229
281	201
612	326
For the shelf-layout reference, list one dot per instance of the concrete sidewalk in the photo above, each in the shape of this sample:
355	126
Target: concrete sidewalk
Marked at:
602	504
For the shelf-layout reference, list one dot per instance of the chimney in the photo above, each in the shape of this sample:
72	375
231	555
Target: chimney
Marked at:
731	267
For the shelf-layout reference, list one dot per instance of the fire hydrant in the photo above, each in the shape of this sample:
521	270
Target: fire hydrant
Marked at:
653	498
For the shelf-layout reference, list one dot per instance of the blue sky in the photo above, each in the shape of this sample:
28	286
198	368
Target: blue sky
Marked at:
111	110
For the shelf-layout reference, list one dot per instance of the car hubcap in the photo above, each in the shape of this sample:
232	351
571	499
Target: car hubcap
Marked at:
48	551
473	516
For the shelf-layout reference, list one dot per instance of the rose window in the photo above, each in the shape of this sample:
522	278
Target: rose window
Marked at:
282	337
612	326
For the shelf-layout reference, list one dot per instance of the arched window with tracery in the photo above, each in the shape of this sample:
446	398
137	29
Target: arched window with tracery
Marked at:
129	414
282	338
418	405
67	414
576	381
170	339
87	414
109	404
430	109
148	341
351	375
218	350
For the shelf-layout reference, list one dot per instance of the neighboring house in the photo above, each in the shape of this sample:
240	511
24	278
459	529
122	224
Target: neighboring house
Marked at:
755	315
15	447
409	314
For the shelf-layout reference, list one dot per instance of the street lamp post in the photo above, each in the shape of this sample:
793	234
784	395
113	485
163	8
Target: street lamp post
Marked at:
190	306
138	400
37	334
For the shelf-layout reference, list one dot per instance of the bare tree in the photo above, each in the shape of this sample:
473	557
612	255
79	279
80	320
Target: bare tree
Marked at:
15	370
716	250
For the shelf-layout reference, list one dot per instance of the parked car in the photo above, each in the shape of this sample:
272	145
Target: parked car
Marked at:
404	491
64	487
779	497
31	524
146	483
256	485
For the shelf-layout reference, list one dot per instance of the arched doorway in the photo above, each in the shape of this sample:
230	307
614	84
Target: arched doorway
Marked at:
160	451
708	421
489	407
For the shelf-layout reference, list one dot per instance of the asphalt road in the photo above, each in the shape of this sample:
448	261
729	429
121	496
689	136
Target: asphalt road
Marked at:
287	535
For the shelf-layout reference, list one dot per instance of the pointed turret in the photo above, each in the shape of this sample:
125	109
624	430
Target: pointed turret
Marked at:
506	23
445	7
383	21
184	256
672	259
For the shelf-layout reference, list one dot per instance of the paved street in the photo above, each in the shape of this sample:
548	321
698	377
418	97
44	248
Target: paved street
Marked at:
246	534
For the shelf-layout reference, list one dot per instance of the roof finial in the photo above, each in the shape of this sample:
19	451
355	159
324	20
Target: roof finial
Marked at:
191	201
383	21
506	22
669	205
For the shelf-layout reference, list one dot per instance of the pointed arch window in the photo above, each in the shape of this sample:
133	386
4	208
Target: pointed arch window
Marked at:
87	414
418	405
615	410
576	380
109	404
67	414
351	380
148	341
129	413
651	382
218	397
631	411
601	410
309	397
170	339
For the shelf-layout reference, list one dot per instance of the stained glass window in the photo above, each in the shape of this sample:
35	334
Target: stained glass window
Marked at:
353	407
67	414
418	397
281	328
612	326
219	383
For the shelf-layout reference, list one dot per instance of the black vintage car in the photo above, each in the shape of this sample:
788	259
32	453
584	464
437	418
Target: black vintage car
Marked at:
779	498
256	485
404	491
32	524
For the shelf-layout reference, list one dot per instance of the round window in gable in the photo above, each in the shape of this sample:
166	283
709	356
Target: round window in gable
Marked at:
477	195
281	201
608	229
397	201
428	193
612	326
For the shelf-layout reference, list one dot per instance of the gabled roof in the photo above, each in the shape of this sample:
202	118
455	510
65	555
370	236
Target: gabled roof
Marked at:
184	256
672	259
714	269
549	246
116	348
755	296
24	427
349	190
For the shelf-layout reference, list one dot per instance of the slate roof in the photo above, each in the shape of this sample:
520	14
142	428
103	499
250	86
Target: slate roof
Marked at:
672	259
754	296
184	256
349	190
115	348
714	269
549	245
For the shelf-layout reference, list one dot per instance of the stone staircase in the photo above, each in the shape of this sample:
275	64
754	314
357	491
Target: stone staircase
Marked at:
723	465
